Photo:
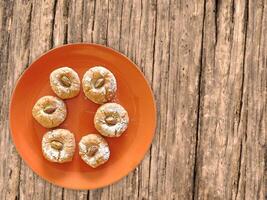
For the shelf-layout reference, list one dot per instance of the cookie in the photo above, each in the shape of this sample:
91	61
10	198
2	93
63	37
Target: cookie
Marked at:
111	120
99	85
58	145
65	82
94	150
49	111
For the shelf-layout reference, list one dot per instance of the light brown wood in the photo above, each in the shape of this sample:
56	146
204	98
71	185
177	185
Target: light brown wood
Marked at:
206	62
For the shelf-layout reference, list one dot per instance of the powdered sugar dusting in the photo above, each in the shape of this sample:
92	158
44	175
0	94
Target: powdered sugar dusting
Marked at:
53	119
104	93
82	147
51	153
59	89
107	110
102	154
104	151
55	155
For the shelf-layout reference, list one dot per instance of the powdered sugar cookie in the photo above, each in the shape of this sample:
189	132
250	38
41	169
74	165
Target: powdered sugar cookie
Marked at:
49	111
111	120
58	145
99	85
94	150
65	82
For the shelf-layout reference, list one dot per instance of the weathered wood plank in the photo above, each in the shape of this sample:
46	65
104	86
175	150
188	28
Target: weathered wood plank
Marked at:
177	54
60	27
75	13
221	90
14	58
89	7
100	23
160	60
254	104
143	60
230	153
183	97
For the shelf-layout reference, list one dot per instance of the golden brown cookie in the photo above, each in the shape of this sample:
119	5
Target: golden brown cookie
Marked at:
58	145
99	85
94	150
65	82
111	120
49	111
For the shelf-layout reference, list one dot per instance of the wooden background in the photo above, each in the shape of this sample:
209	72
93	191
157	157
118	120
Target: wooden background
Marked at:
206	62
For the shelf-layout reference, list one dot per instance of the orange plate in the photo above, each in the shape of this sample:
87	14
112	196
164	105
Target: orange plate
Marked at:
133	93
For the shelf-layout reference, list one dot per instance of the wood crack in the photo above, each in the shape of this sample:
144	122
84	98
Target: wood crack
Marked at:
154	43
82	18
260	34
107	26
168	82
28	62
30	30
18	186
194	184
239	167
88	195
121	24
130	17
93	25
233	12
66	14
4	60
152	83
216	10
62	194
149	175
243	64
53	24
241	97
142	68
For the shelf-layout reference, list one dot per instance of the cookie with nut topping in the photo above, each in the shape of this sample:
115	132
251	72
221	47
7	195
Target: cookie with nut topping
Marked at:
111	120
49	111
65	82
99	85
94	150
58	145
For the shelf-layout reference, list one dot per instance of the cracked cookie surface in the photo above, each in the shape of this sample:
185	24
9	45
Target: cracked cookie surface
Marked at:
65	82
49	111
94	150
58	145
99	85
111	120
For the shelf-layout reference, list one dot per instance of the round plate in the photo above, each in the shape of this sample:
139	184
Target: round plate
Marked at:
133	93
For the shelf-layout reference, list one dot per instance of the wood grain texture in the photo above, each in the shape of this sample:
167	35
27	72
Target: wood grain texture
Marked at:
206	61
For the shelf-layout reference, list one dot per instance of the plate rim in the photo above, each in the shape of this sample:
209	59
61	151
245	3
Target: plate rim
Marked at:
11	102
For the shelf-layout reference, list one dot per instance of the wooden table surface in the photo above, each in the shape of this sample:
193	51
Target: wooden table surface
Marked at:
206	62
